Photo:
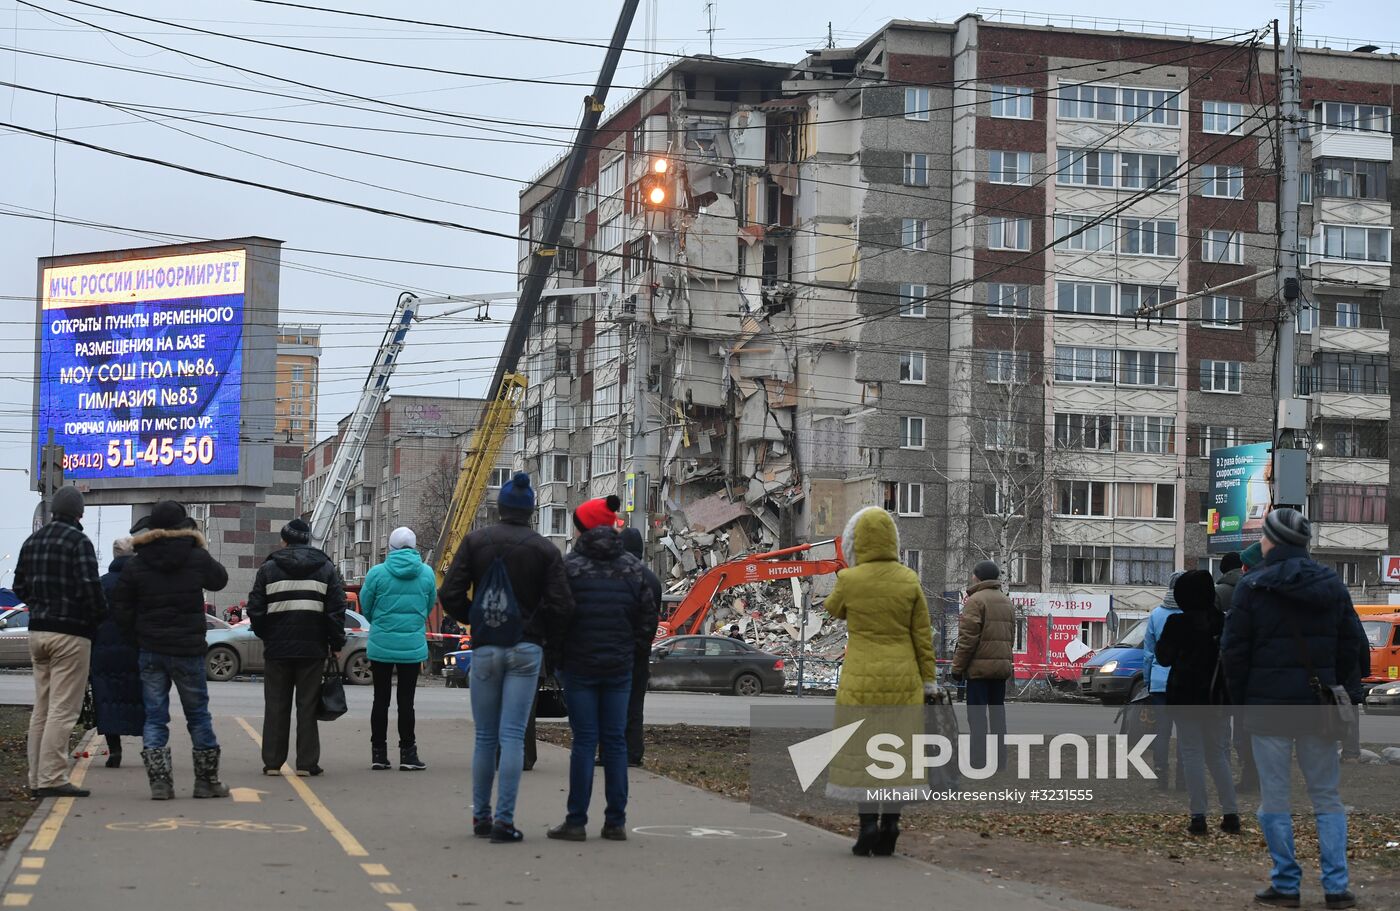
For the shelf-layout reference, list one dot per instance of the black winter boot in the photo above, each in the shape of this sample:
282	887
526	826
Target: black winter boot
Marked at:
159	773
1198	825
408	758
379	757
206	774
869	835
114	751
889	834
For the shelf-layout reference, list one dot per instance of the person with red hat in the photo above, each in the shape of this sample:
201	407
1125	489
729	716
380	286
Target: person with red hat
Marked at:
608	627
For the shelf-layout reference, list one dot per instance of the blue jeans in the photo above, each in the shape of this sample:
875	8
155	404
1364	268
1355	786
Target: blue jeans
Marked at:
986	708
187	673
1203	734
503	684
1273	757
598	717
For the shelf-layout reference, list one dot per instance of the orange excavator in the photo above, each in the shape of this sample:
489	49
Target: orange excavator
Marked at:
689	617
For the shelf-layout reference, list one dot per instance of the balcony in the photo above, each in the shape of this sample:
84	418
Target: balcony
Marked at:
1351	272
1351	471
1346	536
1360	341
1341	210
1372	146
1355	405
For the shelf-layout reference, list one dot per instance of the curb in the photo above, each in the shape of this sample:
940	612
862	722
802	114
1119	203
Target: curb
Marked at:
9	859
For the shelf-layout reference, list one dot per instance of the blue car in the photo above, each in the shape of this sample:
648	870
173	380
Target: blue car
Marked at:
1114	675
456	666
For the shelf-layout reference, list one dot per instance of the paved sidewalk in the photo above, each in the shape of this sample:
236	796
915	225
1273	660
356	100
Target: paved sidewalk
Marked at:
355	839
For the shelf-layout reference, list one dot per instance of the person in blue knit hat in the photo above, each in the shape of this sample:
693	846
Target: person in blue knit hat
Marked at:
508	582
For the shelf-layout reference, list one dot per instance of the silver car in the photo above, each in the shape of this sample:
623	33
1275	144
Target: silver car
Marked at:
234	650
14	637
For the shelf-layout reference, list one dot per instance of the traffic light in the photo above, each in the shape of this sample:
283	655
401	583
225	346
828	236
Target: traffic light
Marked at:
656	194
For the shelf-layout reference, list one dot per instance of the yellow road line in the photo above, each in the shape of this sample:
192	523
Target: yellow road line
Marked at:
48	832
348	843
27	879
401	906
16	899
386	888
32	863
375	869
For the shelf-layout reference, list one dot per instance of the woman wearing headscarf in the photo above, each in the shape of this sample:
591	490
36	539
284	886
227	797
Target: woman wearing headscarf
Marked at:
116	666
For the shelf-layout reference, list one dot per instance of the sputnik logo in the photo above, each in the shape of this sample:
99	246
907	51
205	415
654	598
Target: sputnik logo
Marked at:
811	757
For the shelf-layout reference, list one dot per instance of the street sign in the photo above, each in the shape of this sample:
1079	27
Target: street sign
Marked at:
631	492
1390	569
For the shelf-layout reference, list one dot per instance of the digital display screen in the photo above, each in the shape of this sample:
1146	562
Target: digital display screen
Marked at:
141	366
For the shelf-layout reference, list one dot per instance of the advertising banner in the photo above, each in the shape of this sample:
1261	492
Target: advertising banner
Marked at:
1239	496
141	365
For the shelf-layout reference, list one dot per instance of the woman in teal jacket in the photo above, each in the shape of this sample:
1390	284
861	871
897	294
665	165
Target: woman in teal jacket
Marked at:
396	599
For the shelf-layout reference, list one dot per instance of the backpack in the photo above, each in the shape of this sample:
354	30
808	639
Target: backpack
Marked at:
495	616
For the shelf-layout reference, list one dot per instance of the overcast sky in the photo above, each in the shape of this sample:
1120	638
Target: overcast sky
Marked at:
351	298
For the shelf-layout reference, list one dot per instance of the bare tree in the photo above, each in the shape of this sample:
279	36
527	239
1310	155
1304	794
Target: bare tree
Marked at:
435	500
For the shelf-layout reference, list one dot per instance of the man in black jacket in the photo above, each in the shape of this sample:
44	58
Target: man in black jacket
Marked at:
159	599
504	677
56	576
297	607
641	666
1292	624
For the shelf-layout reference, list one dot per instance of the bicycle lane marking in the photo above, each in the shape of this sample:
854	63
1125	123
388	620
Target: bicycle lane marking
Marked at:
378	873
43	841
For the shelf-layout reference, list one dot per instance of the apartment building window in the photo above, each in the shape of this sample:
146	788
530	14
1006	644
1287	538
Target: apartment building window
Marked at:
915	169
554	468
914	559
1350	178
1074	430
1353	440
1004	499
1145	501
912	367
1305	192
1356	243
1146	171
1303	382
1008	300
1081	168
295	409
1360	504
1080	564
1349	571
1361	374
1342	115
1088	102
1222	116
911	433
1225	181
1088	298
1086	233
296	423
916	103
1132	298
605	401
1219	311
554	521
1013	570
1347	314
605	457
1147	368
610	234
1014	102
607	344
1009	167
1110	103
1157	106
560	417
563	362
1008	233
913	233
610	178
1147	237
910	500
1143	565
1222	246
1220	376
534	420
913	300
1307	317
1147	434
1215	436
499	477
1008	366
298	374
1083	365
1004	434
1081	498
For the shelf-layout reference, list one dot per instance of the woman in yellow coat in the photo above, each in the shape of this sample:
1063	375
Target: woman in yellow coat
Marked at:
889	662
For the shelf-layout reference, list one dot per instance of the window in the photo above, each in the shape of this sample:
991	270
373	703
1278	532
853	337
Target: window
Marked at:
1009	167
610	178
606	346
1305	192
1157	106
1008	366
1362	504
913	234
1011	101
1340	115
912	300
916	103
534	418
915	169
1357	243
1093	298
1008	233
1303	383
1347	315
1222	180
1147	434
1362	374
1132	298
563	361
636	257
295	409
555	521
610	234
1220	376
1083	431
914	559
605	401
911	499
1078	168
558	417
1349	571
1004	499
1143	565
1350	178
1008	300
1088	102
1089	233
499	477
296	423
1021	628
1215	436
1353	440
1109	103
911	433
1080	564
1307	317
1146	501
1142	171
1221	312
1013	571
1222	116
298	374
1147	368
554	468
1083	365
1003	433
1148	238
912	366
1222	247
1081	498
605	457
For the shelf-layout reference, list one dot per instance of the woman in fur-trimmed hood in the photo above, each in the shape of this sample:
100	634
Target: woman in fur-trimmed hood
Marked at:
889	662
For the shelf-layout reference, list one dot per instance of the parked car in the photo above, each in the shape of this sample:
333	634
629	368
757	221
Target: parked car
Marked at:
234	650
1114	675
1383	632
14	637
715	663
1384	699
456	668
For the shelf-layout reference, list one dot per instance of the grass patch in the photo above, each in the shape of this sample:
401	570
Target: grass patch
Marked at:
16	806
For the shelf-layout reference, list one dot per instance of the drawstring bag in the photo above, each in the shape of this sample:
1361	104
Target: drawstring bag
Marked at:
332	704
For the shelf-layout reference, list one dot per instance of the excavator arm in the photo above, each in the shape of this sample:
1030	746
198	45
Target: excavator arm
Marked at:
689	617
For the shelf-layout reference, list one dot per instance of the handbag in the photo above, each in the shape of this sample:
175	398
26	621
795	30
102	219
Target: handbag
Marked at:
331	704
1338	714
549	699
943	720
